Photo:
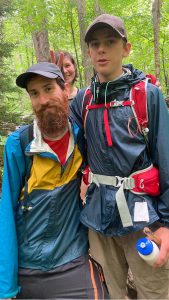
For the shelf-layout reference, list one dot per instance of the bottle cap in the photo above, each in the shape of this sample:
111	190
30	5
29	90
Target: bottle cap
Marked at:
144	246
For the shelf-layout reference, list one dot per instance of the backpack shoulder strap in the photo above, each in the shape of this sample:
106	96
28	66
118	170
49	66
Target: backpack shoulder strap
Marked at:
151	78
26	136
138	95
87	99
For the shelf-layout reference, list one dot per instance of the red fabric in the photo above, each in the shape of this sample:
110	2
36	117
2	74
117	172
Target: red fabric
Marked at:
107	128
152	78
109	104
139	96
85	173
147	182
60	147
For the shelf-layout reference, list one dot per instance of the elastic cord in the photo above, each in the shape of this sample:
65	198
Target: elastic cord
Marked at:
106	92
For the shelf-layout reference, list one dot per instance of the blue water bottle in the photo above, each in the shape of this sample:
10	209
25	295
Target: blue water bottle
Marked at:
147	250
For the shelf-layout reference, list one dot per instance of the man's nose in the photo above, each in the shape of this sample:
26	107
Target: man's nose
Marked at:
43	99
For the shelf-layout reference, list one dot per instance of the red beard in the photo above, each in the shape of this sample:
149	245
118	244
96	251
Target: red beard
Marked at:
52	119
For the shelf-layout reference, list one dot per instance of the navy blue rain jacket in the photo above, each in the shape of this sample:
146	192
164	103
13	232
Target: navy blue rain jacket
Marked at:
127	155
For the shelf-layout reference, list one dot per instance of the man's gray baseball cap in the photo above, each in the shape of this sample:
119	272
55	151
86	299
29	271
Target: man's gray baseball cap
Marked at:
45	69
110	21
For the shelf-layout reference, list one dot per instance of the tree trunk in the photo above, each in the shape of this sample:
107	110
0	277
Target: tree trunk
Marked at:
88	70
97	10
156	6
41	45
164	66
75	47
41	42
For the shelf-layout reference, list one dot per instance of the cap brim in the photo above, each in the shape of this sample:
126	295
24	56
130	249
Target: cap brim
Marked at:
22	79
99	25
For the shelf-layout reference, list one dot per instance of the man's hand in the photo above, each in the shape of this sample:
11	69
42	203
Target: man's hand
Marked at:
163	235
52	56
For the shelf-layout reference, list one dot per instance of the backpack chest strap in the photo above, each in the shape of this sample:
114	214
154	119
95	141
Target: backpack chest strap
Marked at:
106	106
110	104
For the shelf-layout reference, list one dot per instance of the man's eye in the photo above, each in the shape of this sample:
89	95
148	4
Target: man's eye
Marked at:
32	94
48	89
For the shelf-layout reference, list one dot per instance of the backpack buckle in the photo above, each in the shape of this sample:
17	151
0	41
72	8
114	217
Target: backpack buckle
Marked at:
90	177
132	102
116	103
129	182
119	181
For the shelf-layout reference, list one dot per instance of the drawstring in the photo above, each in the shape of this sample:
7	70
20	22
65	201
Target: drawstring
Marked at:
94	93
105	100
106	120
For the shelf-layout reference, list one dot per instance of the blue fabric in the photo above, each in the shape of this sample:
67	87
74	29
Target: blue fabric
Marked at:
47	236
128	154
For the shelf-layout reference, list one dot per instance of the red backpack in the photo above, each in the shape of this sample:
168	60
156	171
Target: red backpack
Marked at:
146	181
137	101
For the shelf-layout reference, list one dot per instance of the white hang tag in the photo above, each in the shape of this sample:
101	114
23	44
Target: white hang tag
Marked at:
141	212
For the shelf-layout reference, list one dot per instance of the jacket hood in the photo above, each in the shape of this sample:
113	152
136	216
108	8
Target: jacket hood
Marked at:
133	76
113	88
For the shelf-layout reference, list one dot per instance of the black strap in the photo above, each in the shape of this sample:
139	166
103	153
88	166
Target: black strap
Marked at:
26	136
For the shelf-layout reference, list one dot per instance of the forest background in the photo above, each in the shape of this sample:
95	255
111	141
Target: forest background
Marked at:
28	29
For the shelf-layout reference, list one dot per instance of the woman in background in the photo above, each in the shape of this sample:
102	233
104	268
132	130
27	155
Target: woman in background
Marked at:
68	66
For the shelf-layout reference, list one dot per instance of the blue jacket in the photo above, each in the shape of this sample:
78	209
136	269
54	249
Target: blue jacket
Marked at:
39	219
127	155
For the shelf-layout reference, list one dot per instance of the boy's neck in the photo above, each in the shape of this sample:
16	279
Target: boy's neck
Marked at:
116	76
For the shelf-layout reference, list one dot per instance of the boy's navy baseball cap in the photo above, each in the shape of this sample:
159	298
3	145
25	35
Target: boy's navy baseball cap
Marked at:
103	20
45	69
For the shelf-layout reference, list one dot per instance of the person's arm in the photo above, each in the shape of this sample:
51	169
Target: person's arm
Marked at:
159	148
76	108
13	176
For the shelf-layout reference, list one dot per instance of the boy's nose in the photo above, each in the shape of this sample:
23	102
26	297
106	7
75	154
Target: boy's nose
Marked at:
101	48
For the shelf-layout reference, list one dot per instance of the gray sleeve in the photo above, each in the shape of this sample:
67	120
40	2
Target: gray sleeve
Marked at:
159	146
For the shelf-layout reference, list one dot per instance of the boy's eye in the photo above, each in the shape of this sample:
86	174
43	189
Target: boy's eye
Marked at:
94	44
109	42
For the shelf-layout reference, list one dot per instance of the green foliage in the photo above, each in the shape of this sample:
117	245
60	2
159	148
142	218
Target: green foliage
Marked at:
61	21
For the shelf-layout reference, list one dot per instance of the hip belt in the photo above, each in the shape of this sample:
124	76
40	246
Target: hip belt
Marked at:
142	182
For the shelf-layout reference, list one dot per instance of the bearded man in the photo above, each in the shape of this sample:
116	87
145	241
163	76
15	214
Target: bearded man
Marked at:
44	247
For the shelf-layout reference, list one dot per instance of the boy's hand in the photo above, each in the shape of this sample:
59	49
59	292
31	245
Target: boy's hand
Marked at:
163	235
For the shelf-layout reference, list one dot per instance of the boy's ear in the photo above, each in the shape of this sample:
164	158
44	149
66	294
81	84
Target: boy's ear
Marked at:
127	48
88	51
